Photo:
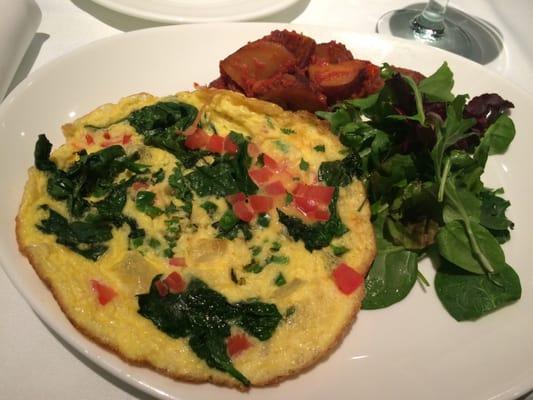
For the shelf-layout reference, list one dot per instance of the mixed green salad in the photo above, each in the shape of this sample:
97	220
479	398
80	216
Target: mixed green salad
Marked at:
422	154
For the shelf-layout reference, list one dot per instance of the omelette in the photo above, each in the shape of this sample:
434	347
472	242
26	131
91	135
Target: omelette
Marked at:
206	235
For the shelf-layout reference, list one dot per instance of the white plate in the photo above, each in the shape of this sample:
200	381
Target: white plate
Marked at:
412	350
181	11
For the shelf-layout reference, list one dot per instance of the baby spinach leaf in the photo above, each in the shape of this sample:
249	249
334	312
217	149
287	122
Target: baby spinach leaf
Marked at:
205	317
438	86
392	275
455	245
470	296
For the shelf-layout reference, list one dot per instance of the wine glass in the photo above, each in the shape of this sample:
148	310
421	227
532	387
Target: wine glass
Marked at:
438	25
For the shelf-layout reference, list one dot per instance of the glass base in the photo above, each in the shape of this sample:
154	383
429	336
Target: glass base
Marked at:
463	34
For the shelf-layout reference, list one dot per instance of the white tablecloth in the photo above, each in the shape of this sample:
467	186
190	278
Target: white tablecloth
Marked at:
36	364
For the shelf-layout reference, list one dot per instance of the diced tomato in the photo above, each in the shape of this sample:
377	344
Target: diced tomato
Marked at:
275	188
260	175
347	279
322	194
161	288
301	190
174	282
89	139
261	204
177	261
253	150
305	205
229	146
105	293
237	344
215	144
197	140
319	193
242	211
138	185
233	198
107	135
126	139
320	215
271	163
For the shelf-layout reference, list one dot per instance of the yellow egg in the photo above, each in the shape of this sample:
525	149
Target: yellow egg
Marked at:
316	314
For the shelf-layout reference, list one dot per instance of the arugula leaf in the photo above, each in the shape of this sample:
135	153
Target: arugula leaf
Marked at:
492	211
205	317
469	296
499	135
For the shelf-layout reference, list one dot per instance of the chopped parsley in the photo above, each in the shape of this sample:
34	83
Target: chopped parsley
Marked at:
339	250
304	165
280	280
288	131
209	207
320	148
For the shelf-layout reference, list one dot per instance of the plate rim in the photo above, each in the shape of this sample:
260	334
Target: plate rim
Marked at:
81	343
119	7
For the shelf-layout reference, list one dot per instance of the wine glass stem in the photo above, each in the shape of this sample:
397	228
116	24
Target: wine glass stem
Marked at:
429	25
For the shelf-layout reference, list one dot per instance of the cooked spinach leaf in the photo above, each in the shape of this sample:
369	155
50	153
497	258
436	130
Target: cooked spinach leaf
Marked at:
340	172
144	202
160	124
41	154
319	234
84	238
205	317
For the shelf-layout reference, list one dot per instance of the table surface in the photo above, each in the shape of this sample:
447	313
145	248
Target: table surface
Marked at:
37	364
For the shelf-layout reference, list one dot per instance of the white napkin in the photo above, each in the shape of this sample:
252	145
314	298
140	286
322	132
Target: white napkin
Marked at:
19	20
